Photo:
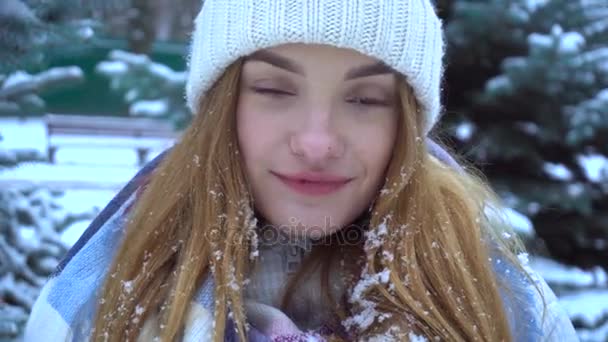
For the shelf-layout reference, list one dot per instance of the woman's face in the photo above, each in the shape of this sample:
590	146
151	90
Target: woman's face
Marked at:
316	128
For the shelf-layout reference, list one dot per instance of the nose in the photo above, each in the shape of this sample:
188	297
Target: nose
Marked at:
317	143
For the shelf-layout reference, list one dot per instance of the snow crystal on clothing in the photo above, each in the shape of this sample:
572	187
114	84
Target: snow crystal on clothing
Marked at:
523	258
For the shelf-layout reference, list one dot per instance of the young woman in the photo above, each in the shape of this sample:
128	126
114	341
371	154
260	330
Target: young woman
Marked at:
306	200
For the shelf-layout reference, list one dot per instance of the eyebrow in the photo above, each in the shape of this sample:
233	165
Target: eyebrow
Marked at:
284	63
276	60
368	70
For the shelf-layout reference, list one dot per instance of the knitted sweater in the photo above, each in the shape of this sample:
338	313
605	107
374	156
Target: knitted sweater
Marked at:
65	306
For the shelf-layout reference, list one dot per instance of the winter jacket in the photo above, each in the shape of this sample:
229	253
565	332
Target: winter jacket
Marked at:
65	307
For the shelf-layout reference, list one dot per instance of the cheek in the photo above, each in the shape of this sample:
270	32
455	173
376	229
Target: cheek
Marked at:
376	151
378	158
255	137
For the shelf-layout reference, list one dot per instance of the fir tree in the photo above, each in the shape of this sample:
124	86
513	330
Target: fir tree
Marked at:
527	102
28	28
151	89
20	91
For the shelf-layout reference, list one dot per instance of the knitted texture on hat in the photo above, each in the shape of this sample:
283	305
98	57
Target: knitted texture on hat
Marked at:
404	34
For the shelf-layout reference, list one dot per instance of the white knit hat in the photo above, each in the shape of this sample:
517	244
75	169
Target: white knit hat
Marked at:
404	34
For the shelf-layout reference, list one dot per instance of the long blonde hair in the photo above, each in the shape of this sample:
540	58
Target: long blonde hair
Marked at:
194	219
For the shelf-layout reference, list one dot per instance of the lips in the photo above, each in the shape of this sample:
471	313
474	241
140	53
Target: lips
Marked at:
315	184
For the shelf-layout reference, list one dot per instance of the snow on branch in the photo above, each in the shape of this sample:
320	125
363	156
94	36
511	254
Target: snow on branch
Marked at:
19	91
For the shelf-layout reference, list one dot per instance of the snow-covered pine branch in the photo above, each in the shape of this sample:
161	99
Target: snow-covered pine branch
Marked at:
20	90
150	88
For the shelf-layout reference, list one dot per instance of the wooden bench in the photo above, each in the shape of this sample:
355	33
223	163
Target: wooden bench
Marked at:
142	134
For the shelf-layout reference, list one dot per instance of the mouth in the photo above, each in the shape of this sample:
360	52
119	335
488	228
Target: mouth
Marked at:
313	184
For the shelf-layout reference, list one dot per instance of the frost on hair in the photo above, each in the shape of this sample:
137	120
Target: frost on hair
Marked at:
367	313
374	238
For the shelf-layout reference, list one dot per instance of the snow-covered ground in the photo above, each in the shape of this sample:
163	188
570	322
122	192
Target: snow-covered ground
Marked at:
91	176
80	201
583	294
88	176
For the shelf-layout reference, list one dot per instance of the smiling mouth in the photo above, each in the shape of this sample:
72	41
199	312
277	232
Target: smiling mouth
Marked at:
312	187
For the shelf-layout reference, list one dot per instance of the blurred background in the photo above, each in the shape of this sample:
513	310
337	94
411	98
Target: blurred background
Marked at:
92	89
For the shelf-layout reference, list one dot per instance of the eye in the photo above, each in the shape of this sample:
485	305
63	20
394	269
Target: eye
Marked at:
272	92
367	101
